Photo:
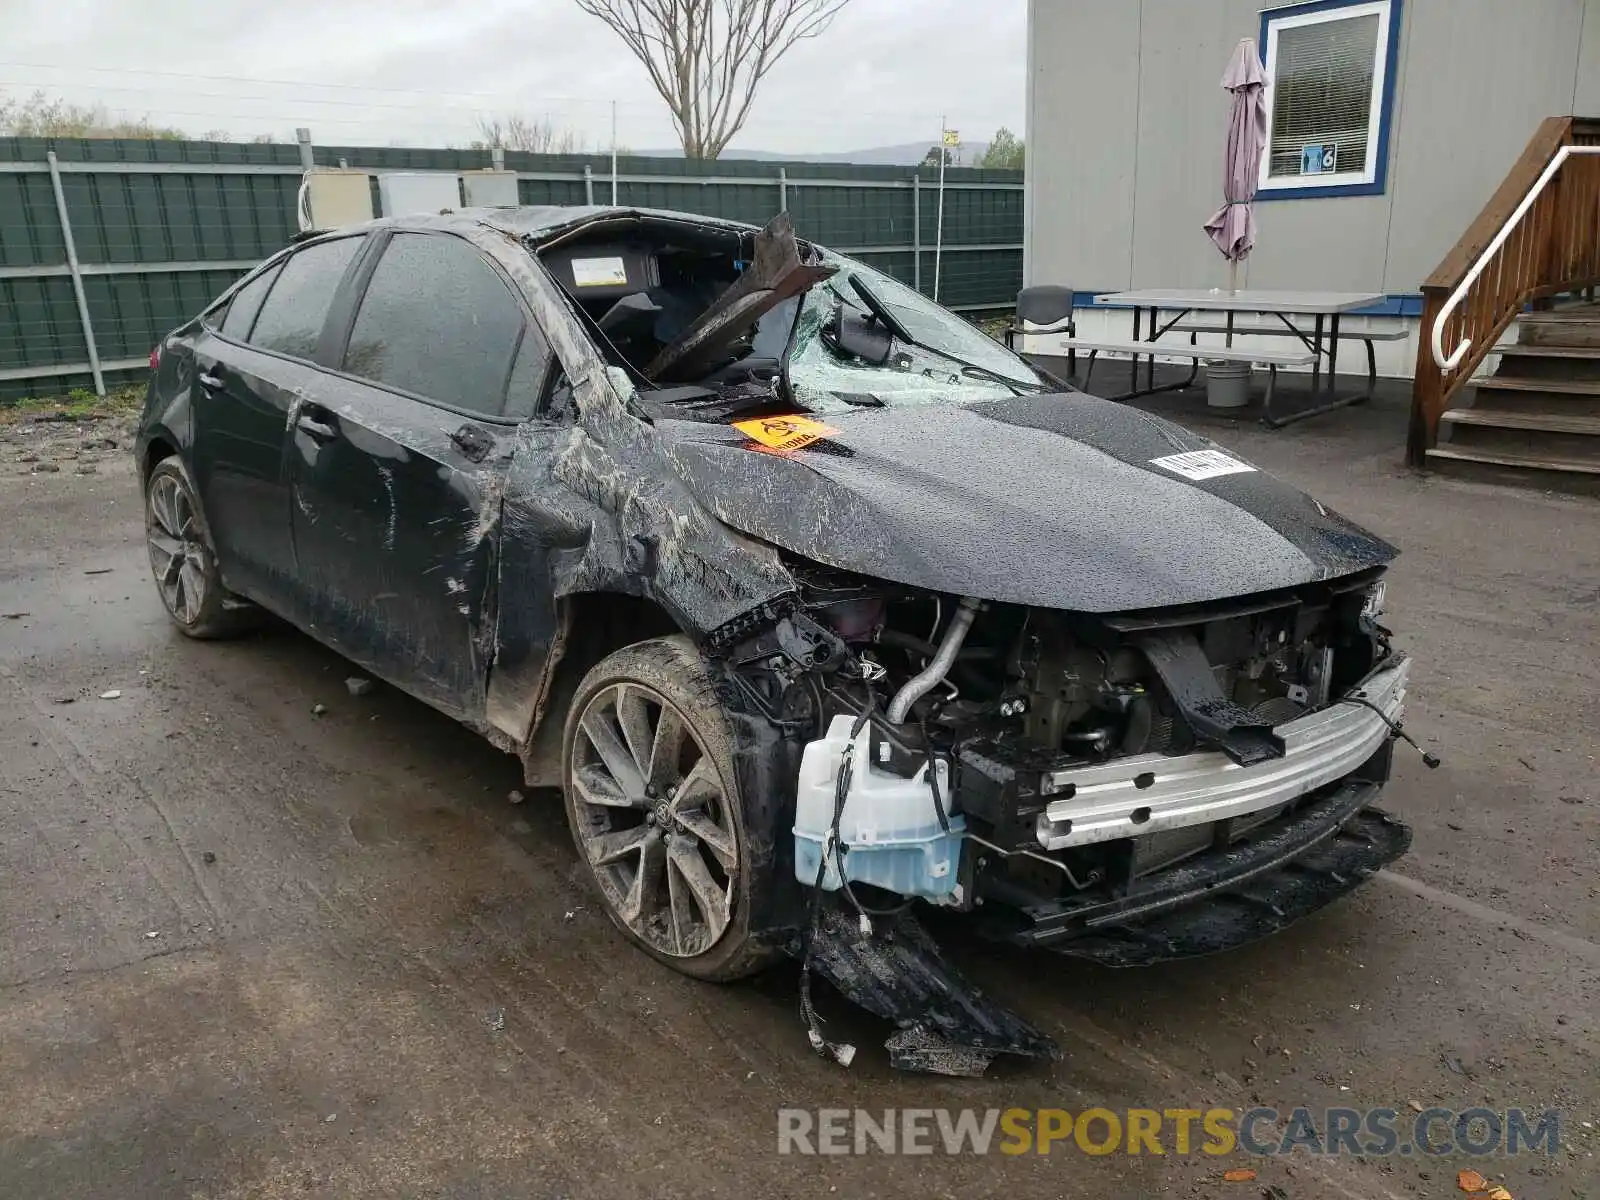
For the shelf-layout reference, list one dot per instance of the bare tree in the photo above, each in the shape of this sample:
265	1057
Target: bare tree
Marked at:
520	133
707	57
40	116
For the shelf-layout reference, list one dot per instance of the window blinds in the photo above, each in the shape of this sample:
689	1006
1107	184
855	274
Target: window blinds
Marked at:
1322	92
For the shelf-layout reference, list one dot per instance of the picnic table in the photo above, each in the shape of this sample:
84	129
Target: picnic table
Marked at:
1289	312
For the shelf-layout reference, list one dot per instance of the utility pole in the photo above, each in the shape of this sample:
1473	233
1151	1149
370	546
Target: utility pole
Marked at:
947	138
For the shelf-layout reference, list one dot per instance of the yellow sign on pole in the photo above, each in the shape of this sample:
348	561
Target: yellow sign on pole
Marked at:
952	138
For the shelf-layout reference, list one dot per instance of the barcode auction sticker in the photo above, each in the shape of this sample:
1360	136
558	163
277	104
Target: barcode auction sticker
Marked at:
1202	464
785	433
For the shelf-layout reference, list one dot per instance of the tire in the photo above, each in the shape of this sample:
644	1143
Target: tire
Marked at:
661	830
183	560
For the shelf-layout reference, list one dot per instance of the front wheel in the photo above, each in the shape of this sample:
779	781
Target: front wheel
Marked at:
653	802
183	560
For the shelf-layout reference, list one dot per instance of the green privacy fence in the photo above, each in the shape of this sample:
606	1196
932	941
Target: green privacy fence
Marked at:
160	227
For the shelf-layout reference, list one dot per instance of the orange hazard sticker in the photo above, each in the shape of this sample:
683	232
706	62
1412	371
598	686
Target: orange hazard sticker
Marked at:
785	433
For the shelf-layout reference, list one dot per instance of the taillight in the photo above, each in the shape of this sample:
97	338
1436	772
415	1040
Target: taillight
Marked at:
155	357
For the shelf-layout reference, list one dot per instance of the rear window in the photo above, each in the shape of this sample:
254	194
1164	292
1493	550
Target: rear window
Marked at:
292	318
246	304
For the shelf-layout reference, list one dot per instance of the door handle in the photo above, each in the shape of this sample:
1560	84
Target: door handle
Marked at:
211	381
320	430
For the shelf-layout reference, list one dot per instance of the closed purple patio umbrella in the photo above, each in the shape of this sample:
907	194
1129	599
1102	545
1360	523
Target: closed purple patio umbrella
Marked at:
1233	228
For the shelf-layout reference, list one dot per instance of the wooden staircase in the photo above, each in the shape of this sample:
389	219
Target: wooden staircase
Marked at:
1520	271
1536	421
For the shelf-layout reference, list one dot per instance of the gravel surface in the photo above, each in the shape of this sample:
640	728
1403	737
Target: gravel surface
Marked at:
250	951
57	441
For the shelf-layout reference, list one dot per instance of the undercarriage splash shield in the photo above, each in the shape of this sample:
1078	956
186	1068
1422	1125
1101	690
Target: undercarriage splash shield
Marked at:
947	1026
1266	903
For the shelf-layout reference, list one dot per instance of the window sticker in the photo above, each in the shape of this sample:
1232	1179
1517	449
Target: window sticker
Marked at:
599	272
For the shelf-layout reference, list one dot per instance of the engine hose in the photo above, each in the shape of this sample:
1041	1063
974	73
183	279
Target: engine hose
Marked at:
914	644
920	684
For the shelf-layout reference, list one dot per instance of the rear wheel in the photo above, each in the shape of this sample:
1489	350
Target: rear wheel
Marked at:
182	558
653	802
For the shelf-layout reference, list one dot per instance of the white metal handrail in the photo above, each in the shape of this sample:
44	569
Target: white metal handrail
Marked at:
1451	361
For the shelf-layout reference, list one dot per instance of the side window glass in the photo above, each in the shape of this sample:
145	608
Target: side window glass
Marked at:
437	321
528	373
291	320
246	304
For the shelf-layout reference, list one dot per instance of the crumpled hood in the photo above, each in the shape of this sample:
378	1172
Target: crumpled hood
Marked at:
1043	500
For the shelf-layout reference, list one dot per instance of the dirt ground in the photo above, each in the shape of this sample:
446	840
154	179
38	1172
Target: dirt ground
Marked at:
252	951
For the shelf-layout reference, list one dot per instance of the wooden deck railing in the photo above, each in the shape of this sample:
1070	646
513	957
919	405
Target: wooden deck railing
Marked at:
1554	248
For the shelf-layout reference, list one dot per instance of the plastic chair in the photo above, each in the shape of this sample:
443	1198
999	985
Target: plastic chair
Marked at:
1048	307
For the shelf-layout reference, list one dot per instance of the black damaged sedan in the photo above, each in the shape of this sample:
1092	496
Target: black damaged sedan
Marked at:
823	610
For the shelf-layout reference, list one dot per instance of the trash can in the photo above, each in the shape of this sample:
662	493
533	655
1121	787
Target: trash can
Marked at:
1227	384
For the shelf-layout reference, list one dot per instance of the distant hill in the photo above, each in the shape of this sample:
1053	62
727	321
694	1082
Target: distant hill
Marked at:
908	154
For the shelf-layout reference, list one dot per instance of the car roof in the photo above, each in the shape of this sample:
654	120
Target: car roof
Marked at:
539	222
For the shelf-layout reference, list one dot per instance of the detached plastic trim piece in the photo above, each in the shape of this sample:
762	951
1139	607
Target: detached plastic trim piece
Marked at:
946	1026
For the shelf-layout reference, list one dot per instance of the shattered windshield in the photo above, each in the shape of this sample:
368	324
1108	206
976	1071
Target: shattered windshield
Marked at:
928	373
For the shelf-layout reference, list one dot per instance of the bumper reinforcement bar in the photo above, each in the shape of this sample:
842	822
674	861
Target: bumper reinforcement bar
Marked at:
1148	793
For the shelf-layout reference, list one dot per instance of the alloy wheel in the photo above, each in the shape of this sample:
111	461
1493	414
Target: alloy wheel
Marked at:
177	554
653	818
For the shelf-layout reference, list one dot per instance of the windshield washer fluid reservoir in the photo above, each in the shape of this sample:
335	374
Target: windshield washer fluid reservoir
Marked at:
889	829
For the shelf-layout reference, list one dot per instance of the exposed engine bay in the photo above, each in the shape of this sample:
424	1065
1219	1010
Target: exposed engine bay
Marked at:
1010	704
947	740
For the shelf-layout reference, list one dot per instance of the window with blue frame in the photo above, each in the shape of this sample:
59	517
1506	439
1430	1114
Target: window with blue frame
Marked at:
1330	89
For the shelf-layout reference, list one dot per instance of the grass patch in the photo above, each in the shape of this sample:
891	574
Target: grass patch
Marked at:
80	404
995	327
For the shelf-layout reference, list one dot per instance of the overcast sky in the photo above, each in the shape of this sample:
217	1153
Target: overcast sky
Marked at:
418	72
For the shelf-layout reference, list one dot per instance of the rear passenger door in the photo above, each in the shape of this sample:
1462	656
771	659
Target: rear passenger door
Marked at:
252	364
397	490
